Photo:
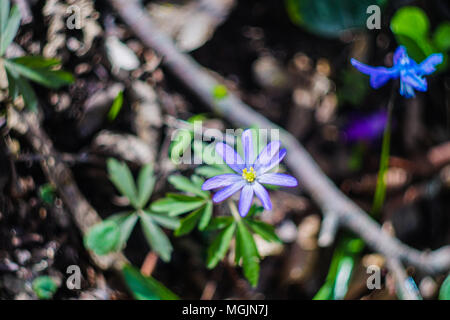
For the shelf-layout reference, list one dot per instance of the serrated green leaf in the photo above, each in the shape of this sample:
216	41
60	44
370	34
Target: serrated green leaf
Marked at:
115	107
9	32
164	220
219	223
4	14
120	175
249	253
219	246
187	224
206	216
103	237
145	184
156	238
50	78
126	223
266	231
44	286
184	184
176	206
146	288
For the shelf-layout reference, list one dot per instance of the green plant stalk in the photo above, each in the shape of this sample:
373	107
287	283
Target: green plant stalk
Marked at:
380	191
234	210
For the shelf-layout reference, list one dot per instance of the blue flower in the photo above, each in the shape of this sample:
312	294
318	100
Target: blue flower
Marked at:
410	73
366	128
251	173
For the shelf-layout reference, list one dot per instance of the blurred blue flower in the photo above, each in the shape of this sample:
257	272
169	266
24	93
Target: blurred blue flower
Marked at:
410	73
366	128
251	173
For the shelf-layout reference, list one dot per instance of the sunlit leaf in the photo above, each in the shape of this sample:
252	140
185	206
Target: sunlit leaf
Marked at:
156	238
120	175
146	288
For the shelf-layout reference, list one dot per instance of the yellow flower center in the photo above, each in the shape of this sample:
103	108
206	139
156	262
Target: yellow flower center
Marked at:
250	175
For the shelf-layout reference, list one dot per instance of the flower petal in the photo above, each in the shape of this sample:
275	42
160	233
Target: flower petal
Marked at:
267	153
223	180
262	195
415	81
228	191
272	163
245	200
378	75
231	157
247	145
278	179
428	65
399	54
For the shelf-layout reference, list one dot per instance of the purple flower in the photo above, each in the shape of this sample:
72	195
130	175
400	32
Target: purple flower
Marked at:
410	73
251	173
366	128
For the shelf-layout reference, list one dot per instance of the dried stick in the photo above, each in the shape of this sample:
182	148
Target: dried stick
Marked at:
56	171
310	176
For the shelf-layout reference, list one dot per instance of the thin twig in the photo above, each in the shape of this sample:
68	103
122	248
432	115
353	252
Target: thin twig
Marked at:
311	177
404	290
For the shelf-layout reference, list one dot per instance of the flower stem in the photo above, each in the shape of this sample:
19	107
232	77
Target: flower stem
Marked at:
234	210
380	191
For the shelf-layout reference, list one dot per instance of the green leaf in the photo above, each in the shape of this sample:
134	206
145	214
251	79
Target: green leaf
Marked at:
37	61
156	238
330	18
184	184
249	253
10	30
164	220
120	175
219	223
219	246
115	107
4	14
266	231
441	38
145	184
103	237
44	287
126	223
410	26
27	92
444	292
254	211
206	216
188	223
13	88
50	78
176	205
145	288
212	171
47	193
